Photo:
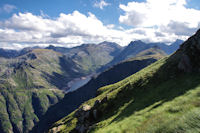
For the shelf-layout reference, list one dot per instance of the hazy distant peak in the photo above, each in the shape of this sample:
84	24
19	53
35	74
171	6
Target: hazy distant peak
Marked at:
137	42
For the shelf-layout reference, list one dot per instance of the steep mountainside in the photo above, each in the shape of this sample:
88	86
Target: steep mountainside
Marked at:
29	85
90	57
130	51
163	97
136	47
73	99
21	109
43	67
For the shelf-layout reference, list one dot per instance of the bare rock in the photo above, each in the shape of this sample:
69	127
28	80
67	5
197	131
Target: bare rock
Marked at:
82	110
104	100
86	107
55	129
97	103
95	114
87	115
81	129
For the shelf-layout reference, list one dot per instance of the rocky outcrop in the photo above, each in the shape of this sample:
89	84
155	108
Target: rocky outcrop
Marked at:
190	58
87	115
32	56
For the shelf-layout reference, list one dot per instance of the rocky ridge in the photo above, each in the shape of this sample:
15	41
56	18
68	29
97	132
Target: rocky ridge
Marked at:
190	58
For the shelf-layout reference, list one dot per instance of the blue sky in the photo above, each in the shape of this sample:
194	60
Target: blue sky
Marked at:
58	22
53	8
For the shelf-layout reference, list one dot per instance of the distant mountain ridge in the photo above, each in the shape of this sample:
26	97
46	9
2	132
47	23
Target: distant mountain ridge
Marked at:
136	47
90	57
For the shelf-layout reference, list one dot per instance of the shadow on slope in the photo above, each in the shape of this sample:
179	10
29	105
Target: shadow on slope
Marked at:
167	83
165	92
68	72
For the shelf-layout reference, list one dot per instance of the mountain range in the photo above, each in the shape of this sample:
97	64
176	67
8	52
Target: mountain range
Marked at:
136	47
34	80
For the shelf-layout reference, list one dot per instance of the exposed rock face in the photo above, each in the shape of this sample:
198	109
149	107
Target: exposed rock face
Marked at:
32	56
190	59
87	115
55	129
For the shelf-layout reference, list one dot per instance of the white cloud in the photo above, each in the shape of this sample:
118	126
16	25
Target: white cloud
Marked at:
167	16
110	26
150	22
101	4
66	30
7	8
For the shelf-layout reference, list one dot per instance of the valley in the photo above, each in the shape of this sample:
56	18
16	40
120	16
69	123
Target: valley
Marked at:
99	66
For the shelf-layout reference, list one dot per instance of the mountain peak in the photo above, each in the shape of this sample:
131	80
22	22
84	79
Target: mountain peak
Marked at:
136	42
179	40
50	47
111	44
106	42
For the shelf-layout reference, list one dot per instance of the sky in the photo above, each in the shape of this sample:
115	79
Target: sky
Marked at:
69	23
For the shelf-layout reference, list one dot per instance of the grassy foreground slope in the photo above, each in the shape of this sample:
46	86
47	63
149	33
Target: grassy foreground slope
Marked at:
163	97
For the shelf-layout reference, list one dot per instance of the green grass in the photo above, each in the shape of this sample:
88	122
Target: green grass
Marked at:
156	112
17	111
158	99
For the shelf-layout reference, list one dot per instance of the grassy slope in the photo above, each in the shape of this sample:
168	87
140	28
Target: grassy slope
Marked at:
21	109
159	98
25	92
126	68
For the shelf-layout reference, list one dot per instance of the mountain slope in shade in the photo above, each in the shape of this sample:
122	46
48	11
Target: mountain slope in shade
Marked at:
8	53
163	97
118	72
